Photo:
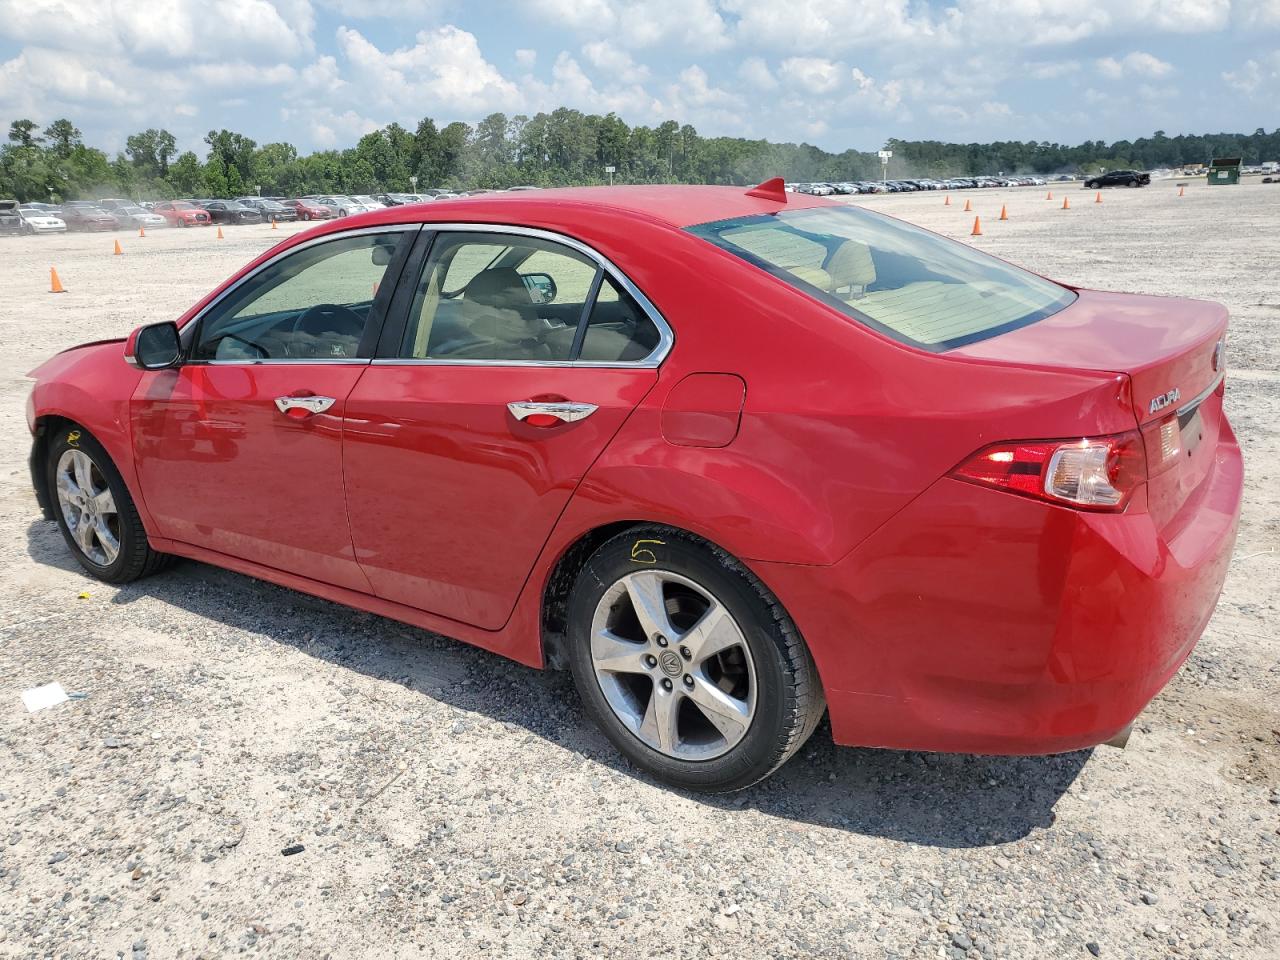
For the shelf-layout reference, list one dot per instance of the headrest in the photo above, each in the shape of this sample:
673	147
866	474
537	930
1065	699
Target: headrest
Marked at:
851	265
500	287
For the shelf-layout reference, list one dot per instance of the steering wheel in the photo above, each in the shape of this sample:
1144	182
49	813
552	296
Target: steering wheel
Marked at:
328	320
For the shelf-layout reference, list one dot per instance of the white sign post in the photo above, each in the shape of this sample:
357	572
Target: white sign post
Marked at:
610	170
885	157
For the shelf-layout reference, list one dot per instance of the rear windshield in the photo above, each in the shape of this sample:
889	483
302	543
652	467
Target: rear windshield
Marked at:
913	285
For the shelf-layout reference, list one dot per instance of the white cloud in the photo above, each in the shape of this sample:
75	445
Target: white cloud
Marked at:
696	24
814	74
596	15
618	65
883	97
1255	78
63	78
755	73
444	70
526	58
1136	64
1052	70
1256	14
809	25
241	74
384	8
183	31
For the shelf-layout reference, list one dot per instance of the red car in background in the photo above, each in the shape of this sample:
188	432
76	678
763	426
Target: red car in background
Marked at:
180	213
309	209
736	459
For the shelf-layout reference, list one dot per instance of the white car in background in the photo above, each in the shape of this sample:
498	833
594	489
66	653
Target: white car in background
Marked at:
35	220
341	206
368	202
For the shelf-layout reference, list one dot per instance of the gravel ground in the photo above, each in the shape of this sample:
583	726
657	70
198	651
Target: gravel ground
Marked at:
447	803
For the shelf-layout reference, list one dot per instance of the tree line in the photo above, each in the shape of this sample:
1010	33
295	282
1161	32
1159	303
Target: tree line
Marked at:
559	148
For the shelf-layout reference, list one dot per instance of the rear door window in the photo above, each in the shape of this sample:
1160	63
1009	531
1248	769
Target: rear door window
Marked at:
494	298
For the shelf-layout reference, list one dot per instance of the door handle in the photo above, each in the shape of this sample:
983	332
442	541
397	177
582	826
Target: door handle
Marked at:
543	413
303	406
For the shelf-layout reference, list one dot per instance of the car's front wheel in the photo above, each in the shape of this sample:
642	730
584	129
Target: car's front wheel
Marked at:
688	663
94	511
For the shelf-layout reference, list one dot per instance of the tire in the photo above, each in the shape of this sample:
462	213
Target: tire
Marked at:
74	450
1134	182
762	683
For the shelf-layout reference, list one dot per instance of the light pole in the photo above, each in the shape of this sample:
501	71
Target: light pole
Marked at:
413	184
259	189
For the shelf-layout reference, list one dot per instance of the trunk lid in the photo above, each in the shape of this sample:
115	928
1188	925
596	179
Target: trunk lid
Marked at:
1168	348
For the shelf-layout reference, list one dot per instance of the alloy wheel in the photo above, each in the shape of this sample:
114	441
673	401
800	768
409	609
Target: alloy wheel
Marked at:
88	508
673	664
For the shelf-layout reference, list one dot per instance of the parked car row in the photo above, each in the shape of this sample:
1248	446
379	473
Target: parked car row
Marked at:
908	186
119	214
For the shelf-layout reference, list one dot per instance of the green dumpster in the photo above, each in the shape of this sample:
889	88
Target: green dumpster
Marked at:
1223	171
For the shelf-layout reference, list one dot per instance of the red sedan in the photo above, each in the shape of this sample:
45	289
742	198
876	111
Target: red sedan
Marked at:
309	209
179	213
734	458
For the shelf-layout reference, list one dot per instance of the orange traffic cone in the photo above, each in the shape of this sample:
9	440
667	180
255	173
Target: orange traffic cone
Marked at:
977	227
273	224
375	289
947	200
1182	191
118	250
219	233
55	285
1049	195
1098	198
1066	203
967	206
142	231
1004	214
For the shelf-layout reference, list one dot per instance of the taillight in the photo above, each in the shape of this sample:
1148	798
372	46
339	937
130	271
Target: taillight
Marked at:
1097	473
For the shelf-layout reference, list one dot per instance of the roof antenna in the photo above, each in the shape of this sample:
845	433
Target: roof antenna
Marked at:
770	190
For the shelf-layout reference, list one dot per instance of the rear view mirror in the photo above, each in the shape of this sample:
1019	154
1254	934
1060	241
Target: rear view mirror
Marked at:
154	347
542	289
382	254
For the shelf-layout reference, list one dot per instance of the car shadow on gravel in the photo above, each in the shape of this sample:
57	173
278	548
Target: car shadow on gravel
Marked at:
938	800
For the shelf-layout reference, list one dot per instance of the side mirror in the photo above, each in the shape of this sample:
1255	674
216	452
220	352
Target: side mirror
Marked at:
154	347
542	289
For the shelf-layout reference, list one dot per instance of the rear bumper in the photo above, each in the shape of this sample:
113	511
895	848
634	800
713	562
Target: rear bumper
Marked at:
980	622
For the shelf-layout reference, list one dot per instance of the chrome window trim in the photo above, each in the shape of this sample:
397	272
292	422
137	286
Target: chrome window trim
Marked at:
194	323
666	336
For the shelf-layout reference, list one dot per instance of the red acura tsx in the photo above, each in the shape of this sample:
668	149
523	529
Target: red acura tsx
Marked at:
735	458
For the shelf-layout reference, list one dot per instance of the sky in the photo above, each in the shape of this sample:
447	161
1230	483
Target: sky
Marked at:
835	73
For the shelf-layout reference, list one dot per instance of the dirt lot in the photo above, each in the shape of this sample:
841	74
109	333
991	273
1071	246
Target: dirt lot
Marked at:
455	805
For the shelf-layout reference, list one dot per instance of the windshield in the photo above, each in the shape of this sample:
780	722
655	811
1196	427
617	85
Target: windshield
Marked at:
913	285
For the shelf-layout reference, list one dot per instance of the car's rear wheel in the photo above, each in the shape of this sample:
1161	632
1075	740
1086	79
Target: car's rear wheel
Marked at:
688	663
94	511
1133	182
